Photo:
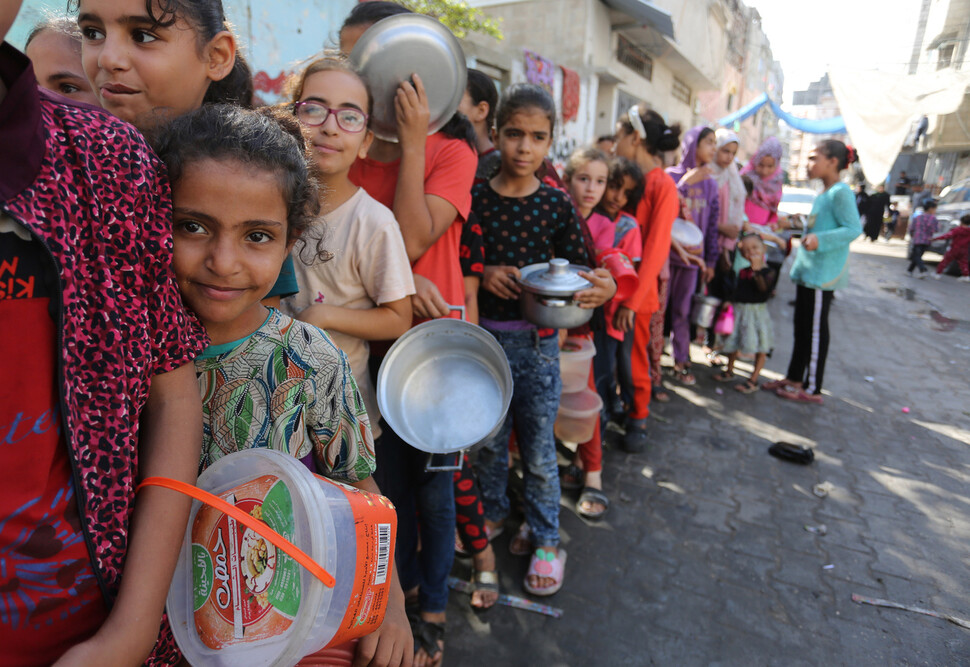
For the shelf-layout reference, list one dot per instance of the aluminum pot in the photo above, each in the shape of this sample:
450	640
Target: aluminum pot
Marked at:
445	386
703	309
547	294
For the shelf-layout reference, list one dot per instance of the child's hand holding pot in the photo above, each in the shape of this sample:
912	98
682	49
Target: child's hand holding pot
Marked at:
603	289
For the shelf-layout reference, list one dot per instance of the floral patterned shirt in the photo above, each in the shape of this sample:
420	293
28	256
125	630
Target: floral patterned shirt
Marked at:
289	388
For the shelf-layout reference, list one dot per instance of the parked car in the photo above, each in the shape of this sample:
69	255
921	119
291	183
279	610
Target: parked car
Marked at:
954	202
796	202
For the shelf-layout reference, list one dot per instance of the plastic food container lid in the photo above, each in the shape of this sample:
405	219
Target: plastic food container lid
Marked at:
577	348
557	277
580	404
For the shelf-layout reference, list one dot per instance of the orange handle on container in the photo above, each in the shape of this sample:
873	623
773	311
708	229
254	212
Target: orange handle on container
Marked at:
262	529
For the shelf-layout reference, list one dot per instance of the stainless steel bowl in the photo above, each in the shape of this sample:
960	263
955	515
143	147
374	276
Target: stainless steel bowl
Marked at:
393	49
445	386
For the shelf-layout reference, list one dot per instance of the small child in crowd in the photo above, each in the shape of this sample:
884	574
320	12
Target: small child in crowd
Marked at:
959	250
702	203
624	189
363	292
97	386
54	48
516	202
753	332
587	175
921	231
243	194
820	267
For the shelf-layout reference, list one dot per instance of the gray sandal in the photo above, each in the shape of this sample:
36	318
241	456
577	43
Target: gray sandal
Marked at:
591	495
486	581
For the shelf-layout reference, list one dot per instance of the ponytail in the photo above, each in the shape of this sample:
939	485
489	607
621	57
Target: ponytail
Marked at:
459	127
657	137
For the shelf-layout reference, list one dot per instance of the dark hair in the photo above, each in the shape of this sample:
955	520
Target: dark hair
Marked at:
267	139
834	148
208	18
521	96
748	184
56	23
965	219
660	136
481	88
707	131
459	127
932	203
365	13
621	168
329	62
605	137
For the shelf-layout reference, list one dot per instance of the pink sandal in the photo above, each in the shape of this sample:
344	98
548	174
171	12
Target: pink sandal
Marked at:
548	565
799	395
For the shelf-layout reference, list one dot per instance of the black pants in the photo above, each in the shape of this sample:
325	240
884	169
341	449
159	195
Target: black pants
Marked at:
916	257
811	345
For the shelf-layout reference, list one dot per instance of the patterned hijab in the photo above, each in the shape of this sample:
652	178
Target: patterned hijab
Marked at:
767	191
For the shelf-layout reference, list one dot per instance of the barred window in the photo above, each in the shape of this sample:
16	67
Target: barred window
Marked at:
681	91
634	57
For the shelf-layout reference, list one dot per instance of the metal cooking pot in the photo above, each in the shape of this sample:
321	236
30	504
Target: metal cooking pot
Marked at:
393	49
445	386
547	294
703	309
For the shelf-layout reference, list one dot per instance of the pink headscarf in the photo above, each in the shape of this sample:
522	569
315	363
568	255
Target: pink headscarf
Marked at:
767	192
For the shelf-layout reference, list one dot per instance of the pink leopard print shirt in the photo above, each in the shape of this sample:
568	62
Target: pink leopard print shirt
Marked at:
88	186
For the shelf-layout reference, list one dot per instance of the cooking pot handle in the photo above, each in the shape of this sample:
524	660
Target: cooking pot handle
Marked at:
554	303
445	468
460	309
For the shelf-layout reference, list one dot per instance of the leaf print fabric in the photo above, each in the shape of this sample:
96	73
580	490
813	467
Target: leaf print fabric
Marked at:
287	387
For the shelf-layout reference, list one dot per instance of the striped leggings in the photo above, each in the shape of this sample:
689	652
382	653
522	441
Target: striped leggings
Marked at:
811	344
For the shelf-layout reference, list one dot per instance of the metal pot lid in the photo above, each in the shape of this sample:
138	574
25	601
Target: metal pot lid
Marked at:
557	277
393	49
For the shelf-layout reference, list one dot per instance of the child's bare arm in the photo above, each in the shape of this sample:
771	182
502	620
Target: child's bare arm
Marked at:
169	445
385	322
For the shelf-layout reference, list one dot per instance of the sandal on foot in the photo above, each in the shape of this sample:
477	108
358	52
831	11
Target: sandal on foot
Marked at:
485	581
591	495
799	395
426	636
723	376
521	542
775	385
659	394
685	377
747	387
549	565
571	477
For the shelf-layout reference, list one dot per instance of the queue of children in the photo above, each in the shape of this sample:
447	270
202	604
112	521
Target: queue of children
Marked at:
266	255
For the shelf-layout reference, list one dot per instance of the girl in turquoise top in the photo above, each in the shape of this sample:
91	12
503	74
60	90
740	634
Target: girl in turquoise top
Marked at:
820	267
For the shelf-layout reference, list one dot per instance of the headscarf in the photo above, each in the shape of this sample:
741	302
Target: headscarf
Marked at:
688	153
767	191
728	178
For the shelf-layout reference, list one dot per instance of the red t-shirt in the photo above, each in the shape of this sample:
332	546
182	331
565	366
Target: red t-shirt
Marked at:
49	597
449	170
656	213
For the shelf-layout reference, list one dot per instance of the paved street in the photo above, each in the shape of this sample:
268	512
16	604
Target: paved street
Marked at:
705	559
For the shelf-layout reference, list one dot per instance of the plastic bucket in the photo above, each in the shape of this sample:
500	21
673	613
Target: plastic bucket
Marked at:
576	420
237	600
621	268
575	359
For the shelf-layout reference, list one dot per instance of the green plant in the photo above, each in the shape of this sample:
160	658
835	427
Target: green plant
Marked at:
457	16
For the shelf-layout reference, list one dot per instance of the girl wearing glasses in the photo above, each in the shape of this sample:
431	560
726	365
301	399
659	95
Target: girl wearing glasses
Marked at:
362	293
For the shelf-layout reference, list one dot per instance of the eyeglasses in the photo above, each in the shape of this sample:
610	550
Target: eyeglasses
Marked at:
314	114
